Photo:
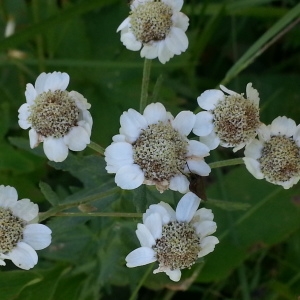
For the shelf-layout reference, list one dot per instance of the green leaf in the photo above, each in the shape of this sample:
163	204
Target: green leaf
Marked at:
13	282
75	10
45	288
49	194
261	44
271	218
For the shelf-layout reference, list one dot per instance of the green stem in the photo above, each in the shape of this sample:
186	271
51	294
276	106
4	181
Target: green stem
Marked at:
57	209
225	163
99	214
136	290
96	147
145	84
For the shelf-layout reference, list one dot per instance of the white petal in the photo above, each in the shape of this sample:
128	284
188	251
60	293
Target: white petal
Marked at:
39	83
172	45
56	81
206	228
252	94
226	90
30	93
80	101
118	155
25	209
177	41
154	223
198	167
129	177
55	149
33	138
130	42
38	236
264	133
140	257
154	113
86	126
132	122
203	123
187	207
179	183
144	235
207	245
180	20
253	166
212	141
164	54
203	214
119	138
8	196
197	150
24	113
174	275
210	98
184	122
170	210
77	139
175	4
254	149
283	126
124	24
2	262
163	209
23	256
150	51
237	148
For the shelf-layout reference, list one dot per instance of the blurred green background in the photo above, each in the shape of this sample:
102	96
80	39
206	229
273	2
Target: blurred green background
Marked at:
231	42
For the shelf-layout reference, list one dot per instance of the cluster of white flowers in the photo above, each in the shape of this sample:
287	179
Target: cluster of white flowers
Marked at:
151	148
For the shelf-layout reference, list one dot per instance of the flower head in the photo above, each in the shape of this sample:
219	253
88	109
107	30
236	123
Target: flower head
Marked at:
230	120
157	26
58	118
20	236
153	149
175	239
276	155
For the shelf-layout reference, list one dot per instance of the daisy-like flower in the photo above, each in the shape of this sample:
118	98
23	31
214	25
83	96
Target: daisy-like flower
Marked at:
175	239
58	118
157	26
230	120
20	236
276	155
153	149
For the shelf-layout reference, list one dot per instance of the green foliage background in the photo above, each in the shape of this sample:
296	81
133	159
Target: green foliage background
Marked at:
231	42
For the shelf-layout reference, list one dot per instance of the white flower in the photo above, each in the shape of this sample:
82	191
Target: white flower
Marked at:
58	118
20	236
157	26
153	149
230	120
175	239
276	155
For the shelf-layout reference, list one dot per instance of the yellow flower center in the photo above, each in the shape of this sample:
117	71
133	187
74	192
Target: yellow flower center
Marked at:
53	113
151	21
11	230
